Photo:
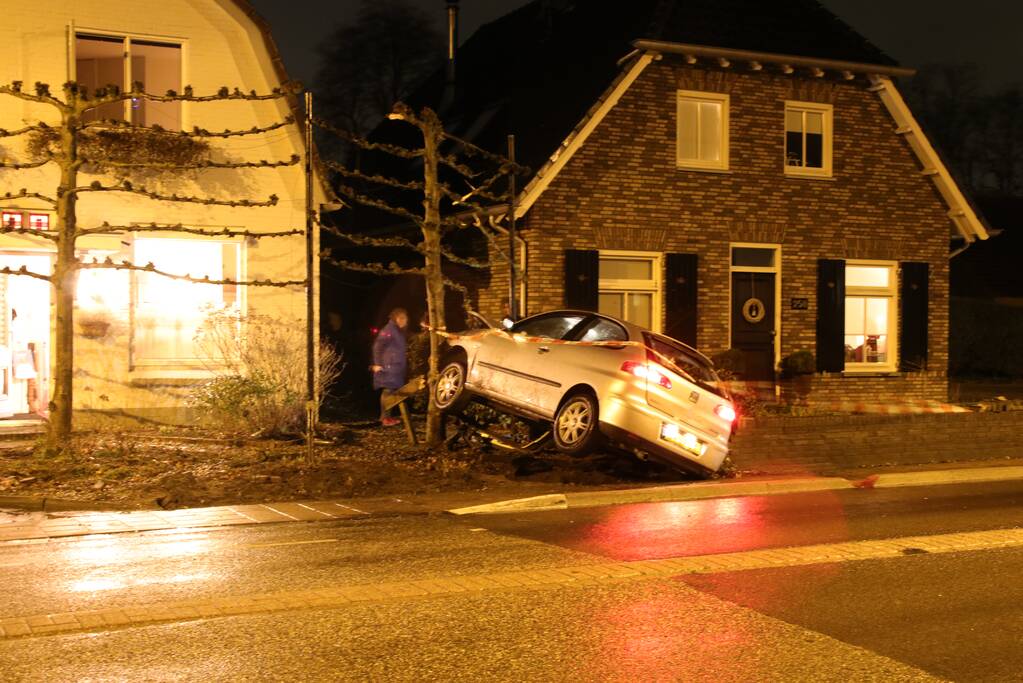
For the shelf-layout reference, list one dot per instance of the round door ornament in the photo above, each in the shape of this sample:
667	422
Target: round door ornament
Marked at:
753	310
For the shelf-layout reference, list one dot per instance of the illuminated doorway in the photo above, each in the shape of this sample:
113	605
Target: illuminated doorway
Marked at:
24	336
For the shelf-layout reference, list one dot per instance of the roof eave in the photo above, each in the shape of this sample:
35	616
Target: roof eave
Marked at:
751	56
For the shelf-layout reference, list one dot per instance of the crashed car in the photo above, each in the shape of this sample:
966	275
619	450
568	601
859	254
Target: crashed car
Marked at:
595	378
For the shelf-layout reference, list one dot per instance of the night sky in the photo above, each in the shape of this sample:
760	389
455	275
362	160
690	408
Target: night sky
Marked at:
988	33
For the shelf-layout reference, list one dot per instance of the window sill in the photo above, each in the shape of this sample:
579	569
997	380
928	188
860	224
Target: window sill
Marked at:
809	176
868	372
703	169
156	375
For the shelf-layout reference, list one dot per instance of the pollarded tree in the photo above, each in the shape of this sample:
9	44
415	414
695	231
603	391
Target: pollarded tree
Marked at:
450	189
78	144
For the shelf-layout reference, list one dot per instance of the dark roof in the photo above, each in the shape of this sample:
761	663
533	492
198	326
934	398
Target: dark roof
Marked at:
537	70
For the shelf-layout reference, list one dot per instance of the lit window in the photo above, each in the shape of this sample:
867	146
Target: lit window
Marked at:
630	287
11	219
808	139
39	221
104	60
870	307
168	312
702	130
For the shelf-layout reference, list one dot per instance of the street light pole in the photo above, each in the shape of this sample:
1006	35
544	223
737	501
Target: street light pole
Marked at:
310	405
513	305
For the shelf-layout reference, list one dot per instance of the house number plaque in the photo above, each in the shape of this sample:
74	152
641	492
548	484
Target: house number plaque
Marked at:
800	304
753	310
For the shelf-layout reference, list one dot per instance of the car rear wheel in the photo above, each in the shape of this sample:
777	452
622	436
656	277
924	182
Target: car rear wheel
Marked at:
450	394
575	425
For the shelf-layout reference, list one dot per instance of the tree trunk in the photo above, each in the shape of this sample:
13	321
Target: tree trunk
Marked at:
61	405
433	273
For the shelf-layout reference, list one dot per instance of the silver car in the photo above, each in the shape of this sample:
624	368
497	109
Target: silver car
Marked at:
649	393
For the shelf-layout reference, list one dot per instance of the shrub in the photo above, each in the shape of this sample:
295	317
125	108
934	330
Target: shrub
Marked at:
257	385
798	363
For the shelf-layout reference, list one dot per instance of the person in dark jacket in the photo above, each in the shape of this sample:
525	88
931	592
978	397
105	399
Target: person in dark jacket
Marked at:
390	360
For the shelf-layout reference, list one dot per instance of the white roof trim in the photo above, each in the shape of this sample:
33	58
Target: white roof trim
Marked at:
579	134
960	212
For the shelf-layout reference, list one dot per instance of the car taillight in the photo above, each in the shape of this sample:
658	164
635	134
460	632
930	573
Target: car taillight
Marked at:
647	371
725	412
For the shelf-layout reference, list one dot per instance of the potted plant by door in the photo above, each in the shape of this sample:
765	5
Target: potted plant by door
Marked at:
797	370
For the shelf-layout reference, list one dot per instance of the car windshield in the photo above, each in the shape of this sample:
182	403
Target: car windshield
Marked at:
549	326
690	365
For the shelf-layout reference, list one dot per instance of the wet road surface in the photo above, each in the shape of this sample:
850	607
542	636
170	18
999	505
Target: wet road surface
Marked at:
955	616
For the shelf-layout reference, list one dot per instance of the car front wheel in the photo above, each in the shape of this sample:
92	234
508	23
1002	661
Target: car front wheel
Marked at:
450	394
575	425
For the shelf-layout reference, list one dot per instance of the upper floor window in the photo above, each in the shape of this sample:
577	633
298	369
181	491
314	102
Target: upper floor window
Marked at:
112	60
870	310
702	130
808	139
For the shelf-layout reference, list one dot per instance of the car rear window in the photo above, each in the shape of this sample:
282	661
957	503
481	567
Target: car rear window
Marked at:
691	365
604	330
549	326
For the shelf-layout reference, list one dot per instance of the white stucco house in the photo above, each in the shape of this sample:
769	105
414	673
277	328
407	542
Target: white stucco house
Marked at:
141	358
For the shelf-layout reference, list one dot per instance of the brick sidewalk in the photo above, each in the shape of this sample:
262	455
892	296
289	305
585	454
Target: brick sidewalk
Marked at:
149	520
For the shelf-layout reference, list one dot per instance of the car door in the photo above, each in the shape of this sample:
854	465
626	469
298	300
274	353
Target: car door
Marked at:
512	367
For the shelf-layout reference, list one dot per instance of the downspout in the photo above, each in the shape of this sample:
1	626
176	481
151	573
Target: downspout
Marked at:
523	258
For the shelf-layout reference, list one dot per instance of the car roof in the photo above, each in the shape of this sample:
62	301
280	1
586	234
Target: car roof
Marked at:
633	329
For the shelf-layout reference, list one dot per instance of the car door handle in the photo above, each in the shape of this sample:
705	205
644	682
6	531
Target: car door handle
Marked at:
543	349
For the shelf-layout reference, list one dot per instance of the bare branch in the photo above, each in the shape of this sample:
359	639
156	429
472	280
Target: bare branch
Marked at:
366	241
35	232
366	200
24	271
465	261
113	124
362	142
29	164
25	194
126	186
379	179
4	133
474	150
109	264
453	163
107	229
42	94
375	268
262	163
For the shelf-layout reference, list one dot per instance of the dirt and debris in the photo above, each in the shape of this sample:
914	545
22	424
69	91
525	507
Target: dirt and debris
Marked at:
175	468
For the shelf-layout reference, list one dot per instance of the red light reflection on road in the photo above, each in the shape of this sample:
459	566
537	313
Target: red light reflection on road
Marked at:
719	525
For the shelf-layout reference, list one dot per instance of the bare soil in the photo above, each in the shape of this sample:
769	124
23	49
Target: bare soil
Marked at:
191	468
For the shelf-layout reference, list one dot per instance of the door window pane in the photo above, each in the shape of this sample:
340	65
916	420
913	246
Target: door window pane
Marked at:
752	257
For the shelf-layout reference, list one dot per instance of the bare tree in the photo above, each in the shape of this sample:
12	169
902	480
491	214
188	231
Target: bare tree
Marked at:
74	144
445	210
368	65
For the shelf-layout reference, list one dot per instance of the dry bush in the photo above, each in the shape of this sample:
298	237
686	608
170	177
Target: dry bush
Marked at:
259	383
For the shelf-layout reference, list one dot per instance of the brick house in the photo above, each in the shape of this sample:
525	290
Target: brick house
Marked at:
142	359
735	173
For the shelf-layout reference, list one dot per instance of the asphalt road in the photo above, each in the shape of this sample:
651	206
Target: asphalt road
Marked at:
955	616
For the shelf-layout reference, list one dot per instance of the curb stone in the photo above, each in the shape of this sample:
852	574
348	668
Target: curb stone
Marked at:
765	487
46	504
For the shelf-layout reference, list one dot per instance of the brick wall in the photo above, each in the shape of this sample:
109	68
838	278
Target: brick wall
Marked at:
622	190
828	444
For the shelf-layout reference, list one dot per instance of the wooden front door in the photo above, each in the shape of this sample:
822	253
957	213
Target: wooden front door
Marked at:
753	323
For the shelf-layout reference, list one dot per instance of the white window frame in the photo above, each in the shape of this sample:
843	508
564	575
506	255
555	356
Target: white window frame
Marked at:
891	292
702	97
828	131
776	269
653	286
77	32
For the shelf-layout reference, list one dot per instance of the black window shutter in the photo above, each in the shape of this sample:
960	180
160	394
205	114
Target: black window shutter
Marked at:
680	313
830	315
913	330
582	279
